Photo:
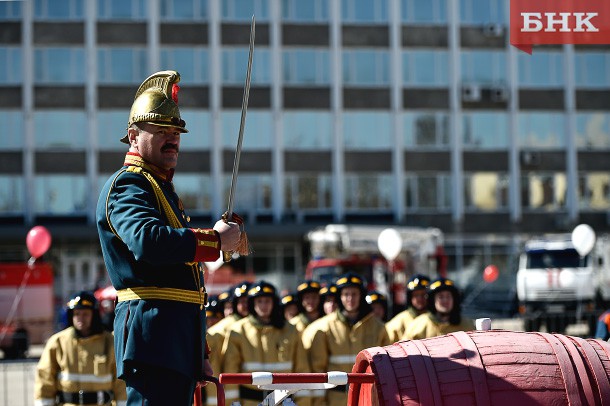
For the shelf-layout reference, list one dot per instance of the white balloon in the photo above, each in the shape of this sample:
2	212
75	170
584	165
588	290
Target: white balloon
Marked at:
389	243
583	239
212	266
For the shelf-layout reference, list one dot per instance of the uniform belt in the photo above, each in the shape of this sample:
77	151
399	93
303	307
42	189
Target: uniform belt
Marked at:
101	397
151	292
251	394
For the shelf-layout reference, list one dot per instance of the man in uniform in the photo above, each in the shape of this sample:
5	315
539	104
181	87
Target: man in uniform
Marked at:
329	299
445	315
77	364
153	255
263	341
334	341
289	305
417	304
308	301
379	303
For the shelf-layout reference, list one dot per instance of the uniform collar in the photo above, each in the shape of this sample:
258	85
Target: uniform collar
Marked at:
135	159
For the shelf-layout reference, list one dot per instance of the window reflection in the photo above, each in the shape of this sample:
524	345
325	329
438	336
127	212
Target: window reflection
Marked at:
366	67
192	63
428	11
306	66
486	191
368	130
11	194
310	10
541	130
364	11
184	9
258	127
198	124
60	194
541	69
485	130
483	11
593	130
592	69
235	64
121	65
59	9
425	68
368	191
426	129
121	9
543	191
242	10
195	191
54	65
61	129
111	127
10	10
428	191
13	133
308	191
10	65
255	193
484	67
594	191
307	130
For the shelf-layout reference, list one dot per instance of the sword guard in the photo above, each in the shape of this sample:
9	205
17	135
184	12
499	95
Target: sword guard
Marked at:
226	256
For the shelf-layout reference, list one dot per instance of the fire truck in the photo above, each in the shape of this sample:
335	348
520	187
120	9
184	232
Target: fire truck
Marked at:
339	248
26	306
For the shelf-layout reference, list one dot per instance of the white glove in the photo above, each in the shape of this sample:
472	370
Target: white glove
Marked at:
230	235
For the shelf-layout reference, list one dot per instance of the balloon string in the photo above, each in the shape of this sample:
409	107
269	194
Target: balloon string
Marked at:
20	292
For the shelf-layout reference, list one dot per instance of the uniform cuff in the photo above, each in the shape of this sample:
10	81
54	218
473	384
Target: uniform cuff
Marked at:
207	244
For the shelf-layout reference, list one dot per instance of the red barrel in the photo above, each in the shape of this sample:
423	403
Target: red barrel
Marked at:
483	368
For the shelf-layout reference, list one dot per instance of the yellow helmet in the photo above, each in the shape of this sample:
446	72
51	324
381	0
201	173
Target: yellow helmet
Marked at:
156	102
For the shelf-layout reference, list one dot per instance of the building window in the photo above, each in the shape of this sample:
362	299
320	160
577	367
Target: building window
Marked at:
366	68
195	191
485	130
593	130
60	129
428	191
242	10
192	63
541	130
11	194
198	124
122	9
426	130
423	12
306	66
59	9
184	10
235	64
484	67
61	194
364	11
542	69
367	130
111	127
10	65
307	130
483	11
425	68
543	191
258	127
594	191
10	10
118	65
592	69
305	11
12	131
368	191
486	191
59	65
308	191
255	193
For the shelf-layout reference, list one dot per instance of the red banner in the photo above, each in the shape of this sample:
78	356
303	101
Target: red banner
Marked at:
538	22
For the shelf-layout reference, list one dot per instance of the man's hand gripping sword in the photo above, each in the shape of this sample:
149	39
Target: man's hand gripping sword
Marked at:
243	248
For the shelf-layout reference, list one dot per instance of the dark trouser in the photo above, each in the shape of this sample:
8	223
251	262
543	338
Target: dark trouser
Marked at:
154	386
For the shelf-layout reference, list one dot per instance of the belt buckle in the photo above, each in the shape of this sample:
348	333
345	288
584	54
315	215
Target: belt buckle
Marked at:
100	397
81	397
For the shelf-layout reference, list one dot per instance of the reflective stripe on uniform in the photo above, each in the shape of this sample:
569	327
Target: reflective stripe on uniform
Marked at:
342	359
179	295
267	366
121	402
44	402
232	394
84	378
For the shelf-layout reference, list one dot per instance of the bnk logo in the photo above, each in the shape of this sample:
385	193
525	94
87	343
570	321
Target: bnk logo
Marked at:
537	22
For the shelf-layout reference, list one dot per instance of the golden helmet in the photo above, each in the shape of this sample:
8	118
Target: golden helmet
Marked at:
156	102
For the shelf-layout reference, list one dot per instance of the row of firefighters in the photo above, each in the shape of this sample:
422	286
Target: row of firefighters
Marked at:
251	329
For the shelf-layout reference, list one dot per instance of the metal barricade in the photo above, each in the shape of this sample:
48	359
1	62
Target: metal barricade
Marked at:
17	382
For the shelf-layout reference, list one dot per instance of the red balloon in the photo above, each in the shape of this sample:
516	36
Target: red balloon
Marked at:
38	241
490	273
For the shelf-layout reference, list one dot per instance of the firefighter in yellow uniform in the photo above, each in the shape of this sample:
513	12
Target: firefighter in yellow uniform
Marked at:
417	304
310	306
445	316
77	366
334	340
263	341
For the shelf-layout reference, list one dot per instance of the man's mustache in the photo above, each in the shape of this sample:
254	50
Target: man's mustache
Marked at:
170	146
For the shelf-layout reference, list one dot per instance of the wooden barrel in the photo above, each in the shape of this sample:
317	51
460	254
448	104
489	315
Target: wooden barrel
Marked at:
483	368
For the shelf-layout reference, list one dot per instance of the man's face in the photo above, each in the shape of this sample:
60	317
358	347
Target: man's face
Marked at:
242	306
81	319
157	145
350	298
263	307
311	301
443	302
330	305
228	309
419	299
290	311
